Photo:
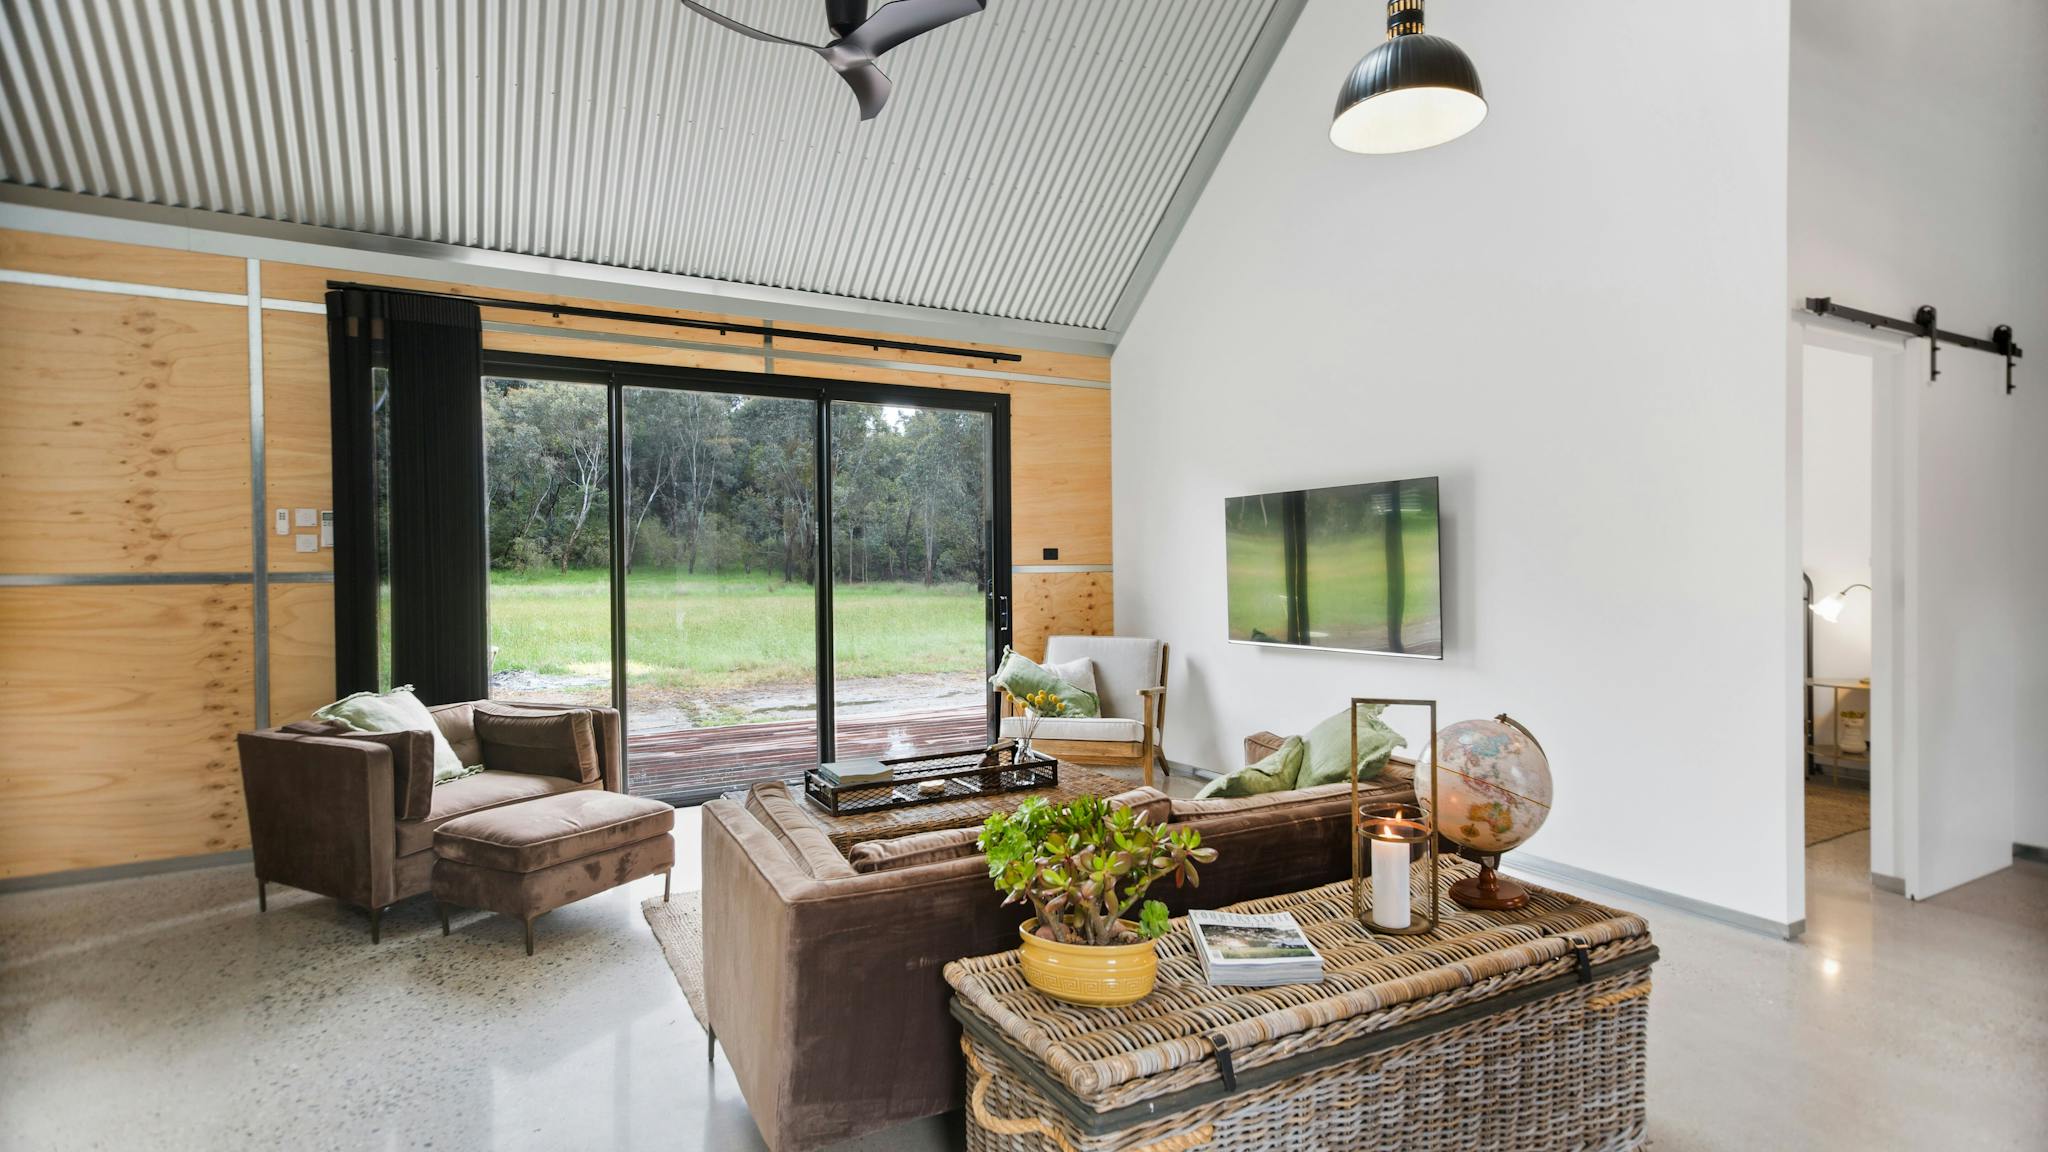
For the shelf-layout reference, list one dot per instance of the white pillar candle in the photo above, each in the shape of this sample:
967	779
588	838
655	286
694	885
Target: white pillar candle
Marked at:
1389	884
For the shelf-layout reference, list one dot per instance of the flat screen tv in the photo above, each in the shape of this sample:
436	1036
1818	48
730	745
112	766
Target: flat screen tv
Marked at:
1353	568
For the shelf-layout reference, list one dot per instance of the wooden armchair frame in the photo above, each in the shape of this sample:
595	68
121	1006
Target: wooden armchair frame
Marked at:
1140	754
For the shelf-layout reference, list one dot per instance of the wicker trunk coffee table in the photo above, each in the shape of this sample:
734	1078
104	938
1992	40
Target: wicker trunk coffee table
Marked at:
1499	1030
966	812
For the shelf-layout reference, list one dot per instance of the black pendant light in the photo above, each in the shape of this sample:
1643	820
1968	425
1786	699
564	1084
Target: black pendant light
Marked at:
1414	91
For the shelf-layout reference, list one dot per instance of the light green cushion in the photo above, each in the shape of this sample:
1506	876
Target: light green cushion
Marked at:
1020	677
1329	747
398	711
1278	772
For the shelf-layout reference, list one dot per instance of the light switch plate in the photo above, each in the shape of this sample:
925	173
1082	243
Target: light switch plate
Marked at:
308	542
284	522
307	517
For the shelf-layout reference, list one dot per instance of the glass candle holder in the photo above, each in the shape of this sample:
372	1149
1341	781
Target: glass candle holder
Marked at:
1387	842
1395	834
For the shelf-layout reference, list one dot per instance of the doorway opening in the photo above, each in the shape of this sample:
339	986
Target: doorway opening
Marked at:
1837	433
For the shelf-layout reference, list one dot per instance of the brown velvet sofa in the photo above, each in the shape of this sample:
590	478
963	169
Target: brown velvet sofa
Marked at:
823	983
353	816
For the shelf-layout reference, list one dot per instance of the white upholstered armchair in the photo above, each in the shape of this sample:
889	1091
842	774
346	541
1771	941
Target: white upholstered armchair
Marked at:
1130	681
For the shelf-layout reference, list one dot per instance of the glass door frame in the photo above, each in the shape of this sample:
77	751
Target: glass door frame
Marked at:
617	376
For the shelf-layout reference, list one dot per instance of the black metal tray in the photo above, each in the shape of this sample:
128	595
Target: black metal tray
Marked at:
966	772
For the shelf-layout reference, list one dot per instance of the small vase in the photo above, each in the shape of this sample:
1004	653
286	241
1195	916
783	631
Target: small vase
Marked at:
1093	975
1026	729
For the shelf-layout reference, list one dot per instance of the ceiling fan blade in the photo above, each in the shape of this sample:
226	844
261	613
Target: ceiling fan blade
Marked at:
900	20
743	29
869	85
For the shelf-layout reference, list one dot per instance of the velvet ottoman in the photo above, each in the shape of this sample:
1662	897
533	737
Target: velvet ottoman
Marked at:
529	858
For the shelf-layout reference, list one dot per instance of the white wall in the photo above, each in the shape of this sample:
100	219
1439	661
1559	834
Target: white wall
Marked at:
1574	316
1919	175
1835	432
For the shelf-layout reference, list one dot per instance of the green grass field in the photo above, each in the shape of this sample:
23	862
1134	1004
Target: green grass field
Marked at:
711	633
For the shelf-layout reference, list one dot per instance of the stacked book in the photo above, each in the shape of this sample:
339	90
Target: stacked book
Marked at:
1245	951
845	773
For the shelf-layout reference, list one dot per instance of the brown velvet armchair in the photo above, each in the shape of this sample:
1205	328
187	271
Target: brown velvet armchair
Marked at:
352	816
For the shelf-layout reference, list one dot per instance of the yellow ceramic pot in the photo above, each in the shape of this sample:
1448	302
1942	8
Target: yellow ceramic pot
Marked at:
1102	976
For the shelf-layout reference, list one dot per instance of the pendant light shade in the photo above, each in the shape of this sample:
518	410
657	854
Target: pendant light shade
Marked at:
1414	91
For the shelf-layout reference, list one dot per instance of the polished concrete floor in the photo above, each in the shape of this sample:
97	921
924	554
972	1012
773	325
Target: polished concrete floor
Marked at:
165	1013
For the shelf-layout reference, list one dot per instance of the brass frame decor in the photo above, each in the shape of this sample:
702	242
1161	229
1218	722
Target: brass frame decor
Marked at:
1394	824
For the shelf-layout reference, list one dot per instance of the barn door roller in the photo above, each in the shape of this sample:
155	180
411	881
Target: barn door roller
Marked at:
1922	324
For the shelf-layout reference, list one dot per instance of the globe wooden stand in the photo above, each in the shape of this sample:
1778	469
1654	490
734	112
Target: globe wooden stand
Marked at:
1489	891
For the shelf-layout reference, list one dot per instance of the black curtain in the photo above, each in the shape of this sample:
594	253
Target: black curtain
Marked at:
352	331
432	348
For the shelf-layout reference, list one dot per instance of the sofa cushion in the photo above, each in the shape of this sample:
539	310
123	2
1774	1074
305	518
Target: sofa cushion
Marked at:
913	850
1080	672
1337	796
1079	728
802	840
1155	806
1020	677
398	711
458	723
1329	747
1123	666
543	832
1277	772
550	742
474	794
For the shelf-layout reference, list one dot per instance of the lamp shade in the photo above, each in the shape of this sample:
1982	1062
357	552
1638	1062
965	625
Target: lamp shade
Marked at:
1414	91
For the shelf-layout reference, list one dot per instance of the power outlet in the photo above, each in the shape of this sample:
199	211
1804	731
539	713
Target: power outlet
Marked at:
1052	553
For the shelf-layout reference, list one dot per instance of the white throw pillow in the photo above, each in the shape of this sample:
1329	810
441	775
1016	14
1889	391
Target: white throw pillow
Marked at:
1080	672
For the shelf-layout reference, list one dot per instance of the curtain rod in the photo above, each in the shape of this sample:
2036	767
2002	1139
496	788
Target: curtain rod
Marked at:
875	342
1922	324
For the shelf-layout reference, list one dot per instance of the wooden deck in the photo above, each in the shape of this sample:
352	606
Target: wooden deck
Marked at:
695	763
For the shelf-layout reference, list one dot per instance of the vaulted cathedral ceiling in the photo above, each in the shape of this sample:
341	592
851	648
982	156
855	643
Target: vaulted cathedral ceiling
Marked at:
1028	159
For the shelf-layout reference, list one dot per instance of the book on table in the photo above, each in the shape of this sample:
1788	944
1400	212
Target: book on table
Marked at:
848	772
1253	951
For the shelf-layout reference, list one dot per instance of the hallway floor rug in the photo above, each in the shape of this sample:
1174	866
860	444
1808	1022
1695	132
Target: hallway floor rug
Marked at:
1833	811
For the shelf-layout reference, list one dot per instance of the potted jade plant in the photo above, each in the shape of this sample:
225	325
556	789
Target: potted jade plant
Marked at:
1082	865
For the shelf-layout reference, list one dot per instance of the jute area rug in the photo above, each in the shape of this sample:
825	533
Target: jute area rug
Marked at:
1832	811
679	929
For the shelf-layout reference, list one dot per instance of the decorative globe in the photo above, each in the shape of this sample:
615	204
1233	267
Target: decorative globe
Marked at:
1494	788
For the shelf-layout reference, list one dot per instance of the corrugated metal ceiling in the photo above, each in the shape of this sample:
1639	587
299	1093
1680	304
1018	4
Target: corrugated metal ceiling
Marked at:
1024	162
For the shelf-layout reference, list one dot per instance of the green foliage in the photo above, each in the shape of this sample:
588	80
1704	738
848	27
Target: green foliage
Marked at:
725	483
1082	865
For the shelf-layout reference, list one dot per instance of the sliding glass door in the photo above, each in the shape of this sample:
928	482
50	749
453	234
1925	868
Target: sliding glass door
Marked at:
792	570
547	507
913	521
721	560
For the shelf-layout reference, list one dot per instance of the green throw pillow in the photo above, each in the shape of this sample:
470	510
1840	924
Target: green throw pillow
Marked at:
1276	773
1329	747
1020	677
398	711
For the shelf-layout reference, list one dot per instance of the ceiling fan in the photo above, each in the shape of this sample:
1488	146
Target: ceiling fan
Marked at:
861	36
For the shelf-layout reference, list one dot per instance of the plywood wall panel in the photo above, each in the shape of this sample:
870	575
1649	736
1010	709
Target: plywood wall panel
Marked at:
1059	604
120	706
578	348
1059	474
124	433
298	461
301	650
298	453
122	263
